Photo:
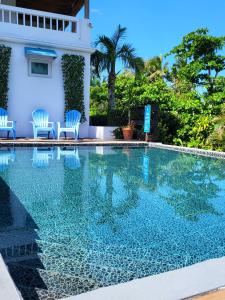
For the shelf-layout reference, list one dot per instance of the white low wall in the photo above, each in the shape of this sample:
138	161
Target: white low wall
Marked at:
101	132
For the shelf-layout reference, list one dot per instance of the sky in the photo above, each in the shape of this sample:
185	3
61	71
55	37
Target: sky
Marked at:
154	27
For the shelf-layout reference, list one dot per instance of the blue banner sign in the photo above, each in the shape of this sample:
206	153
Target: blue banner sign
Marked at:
147	121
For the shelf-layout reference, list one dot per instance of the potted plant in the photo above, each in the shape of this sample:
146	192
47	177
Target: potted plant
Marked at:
128	131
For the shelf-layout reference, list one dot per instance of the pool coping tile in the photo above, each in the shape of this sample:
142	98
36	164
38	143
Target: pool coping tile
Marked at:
8	290
174	285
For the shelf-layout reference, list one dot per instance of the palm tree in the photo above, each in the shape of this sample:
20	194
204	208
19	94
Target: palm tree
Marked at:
110	51
155	67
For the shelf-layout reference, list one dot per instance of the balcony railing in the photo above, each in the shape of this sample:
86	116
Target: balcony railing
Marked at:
37	19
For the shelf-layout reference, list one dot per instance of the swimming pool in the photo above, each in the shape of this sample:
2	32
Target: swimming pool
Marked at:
76	219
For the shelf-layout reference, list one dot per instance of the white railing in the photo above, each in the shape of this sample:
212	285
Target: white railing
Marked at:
37	19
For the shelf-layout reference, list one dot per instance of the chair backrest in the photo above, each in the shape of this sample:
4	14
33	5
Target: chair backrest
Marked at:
3	117
40	117
72	118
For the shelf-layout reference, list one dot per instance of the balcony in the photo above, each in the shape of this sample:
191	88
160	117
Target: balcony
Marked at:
43	28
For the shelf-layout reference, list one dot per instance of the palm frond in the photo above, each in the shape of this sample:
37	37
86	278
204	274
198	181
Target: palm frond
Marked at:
105	44
128	57
99	62
119	34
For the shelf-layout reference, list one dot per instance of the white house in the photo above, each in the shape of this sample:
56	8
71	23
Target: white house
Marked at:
39	34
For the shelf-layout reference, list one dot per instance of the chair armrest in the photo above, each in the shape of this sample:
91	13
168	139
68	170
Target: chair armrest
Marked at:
13	123
58	124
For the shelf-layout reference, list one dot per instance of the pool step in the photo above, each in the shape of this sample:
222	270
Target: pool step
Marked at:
104	259
49	281
101	275
40	294
77	241
75	244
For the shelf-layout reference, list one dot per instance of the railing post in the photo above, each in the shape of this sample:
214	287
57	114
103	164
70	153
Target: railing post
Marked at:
86	9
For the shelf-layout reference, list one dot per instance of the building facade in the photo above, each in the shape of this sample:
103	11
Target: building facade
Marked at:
39	34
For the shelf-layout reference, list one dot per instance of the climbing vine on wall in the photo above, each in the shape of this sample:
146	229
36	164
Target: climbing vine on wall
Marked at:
5	55
73	76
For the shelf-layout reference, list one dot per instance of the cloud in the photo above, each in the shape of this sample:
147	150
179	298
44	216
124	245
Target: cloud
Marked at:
96	11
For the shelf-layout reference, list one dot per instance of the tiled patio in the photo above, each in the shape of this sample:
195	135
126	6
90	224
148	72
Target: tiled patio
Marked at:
214	295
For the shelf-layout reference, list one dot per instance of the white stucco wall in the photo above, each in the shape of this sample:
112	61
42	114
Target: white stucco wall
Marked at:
27	93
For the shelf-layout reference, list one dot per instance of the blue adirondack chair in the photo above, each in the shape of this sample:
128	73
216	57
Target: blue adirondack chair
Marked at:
72	124
41	157
41	123
5	125
71	155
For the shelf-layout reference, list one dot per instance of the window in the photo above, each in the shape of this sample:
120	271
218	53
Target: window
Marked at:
40	67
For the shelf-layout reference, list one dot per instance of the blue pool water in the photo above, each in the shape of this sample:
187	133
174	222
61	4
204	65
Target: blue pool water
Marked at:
73	220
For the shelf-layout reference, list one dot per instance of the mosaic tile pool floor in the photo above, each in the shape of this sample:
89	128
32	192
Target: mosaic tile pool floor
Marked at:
76	219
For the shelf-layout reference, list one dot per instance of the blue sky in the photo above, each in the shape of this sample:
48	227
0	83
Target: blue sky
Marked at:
154	27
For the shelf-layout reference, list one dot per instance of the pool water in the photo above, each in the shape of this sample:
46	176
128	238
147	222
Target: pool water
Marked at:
76	219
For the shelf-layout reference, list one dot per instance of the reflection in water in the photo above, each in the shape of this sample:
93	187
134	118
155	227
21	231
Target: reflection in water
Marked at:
41	157
110	202
193	182
71	155
6	156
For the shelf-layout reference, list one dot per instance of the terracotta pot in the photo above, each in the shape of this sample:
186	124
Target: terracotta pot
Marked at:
128	133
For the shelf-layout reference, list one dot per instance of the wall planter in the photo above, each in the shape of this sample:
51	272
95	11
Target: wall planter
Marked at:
73	76
5	55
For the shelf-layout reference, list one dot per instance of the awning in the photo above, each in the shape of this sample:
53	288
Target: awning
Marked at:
40	52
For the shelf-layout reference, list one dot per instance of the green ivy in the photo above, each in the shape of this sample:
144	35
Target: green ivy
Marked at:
5	55
73	76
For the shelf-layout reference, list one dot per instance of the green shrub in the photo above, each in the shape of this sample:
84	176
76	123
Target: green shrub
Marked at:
118	133
98	120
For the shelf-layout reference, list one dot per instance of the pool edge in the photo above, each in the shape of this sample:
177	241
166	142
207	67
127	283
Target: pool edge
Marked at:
183	283
49	143
197	151
8	289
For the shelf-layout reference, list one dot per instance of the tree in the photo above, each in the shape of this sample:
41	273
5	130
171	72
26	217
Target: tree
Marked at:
217	137
197	60
154	68
105	59
190	93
